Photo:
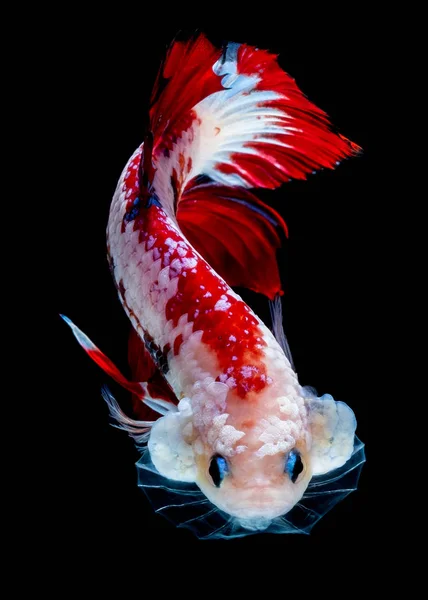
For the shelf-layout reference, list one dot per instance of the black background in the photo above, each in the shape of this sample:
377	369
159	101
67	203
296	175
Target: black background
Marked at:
98	81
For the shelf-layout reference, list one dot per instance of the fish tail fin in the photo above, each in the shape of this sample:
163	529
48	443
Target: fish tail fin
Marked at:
225	121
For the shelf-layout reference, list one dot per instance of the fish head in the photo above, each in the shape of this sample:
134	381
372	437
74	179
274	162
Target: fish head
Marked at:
261	460
253	462
255	488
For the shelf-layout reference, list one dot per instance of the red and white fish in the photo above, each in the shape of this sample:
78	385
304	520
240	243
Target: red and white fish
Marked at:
183	229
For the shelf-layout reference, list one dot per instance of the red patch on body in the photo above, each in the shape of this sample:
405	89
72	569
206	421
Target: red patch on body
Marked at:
131	185
232	334
177	343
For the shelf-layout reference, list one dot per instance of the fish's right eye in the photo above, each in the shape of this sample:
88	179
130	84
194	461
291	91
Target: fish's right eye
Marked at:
218	469
294	465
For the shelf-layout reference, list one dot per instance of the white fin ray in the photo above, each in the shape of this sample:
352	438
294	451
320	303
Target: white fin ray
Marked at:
278	328
163	407
138	430
227	121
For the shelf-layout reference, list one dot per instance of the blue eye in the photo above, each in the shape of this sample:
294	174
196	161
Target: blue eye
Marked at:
293	465
218	469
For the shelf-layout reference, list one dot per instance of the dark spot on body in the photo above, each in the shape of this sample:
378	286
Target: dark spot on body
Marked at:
110	261
158	356
121	289
174	185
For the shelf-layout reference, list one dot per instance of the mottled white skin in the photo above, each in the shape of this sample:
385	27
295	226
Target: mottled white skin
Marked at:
254	434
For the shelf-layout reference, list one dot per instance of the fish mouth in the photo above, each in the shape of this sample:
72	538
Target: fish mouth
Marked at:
254	523
260	513
260	509
260	497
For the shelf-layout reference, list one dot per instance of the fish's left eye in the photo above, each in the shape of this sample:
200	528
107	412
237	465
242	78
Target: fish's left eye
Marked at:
218	469
294	465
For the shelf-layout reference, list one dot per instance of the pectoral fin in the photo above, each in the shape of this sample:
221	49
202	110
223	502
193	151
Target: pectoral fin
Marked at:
332	426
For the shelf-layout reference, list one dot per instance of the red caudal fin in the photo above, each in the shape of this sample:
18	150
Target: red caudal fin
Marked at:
235	117
152	392
185	78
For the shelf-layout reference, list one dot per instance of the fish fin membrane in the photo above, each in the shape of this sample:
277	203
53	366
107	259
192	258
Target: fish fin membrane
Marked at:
138	430
101	359
278	328
186	506
236	233
235	119
151	395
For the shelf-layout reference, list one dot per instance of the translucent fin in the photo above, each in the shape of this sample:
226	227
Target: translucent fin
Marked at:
138	430
163	407
278	327
186	506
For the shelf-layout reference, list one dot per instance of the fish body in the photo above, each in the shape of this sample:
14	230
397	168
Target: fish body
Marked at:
223	363
184	228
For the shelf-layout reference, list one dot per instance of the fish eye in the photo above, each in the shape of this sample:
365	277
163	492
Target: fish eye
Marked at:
293	465
218	469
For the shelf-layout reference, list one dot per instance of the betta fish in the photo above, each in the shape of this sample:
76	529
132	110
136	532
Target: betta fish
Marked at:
231	443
